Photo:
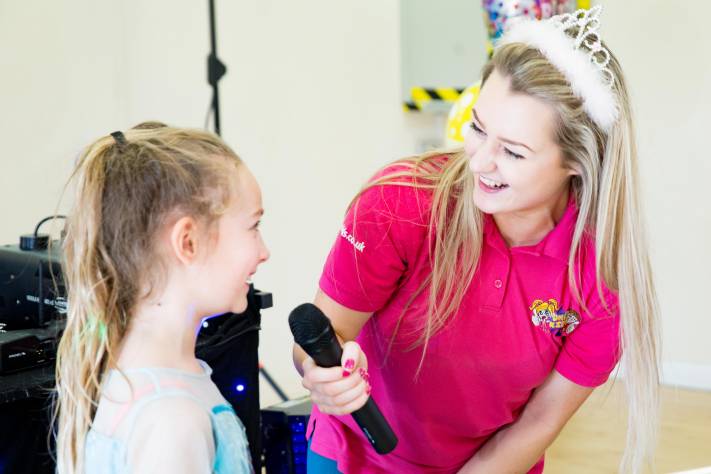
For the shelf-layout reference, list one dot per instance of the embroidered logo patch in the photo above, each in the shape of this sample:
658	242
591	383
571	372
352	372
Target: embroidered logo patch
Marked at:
550	317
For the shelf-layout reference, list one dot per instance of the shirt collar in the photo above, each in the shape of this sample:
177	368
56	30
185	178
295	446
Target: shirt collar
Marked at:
555	244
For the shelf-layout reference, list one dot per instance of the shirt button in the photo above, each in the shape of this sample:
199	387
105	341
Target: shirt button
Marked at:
498	283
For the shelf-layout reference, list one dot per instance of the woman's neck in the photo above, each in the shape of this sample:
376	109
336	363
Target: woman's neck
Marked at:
162	333
529	227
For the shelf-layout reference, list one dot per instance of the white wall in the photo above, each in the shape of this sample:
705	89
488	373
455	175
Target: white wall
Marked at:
664	47
311	101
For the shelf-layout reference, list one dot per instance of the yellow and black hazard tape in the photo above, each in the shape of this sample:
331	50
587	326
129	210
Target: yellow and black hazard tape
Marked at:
421	96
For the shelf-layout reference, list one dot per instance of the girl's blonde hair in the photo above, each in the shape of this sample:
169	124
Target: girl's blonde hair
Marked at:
125	191
606	191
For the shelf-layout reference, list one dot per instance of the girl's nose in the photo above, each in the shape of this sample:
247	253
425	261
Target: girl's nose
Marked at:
264	254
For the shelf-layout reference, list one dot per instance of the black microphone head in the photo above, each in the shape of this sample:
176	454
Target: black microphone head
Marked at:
308	323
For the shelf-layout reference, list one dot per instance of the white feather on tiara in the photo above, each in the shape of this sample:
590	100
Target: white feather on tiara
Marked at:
585	69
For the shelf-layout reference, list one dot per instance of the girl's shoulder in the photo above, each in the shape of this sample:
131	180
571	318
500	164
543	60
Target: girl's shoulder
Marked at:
126	393
170	432
137	435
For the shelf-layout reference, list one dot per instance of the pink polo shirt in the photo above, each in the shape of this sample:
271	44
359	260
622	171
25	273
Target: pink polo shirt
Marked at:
518	322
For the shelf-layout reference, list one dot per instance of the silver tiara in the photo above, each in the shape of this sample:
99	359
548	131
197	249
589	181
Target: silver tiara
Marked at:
571	42
587	23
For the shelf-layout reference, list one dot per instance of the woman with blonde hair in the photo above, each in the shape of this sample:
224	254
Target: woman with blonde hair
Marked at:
493	288
163	233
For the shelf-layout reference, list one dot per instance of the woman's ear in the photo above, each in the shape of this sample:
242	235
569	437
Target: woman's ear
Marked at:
574	169
184	240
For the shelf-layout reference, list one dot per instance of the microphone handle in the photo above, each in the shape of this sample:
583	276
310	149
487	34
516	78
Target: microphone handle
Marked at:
369	417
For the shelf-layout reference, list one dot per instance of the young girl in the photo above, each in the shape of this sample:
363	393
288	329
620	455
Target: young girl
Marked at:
494	287
163	234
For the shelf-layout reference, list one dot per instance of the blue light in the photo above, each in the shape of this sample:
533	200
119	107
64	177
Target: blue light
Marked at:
239	387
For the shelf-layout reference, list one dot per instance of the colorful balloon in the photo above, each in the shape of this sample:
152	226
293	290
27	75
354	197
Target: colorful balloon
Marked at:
498	12
460	115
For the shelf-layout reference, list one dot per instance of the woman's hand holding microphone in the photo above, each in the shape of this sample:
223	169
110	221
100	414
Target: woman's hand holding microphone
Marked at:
339	390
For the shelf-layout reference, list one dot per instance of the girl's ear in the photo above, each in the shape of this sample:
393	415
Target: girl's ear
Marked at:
184	240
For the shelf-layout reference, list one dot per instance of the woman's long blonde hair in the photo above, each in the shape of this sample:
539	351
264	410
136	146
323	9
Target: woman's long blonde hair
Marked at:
606	192
124	191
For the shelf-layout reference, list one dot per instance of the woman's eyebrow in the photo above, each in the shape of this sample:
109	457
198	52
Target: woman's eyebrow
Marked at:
505	140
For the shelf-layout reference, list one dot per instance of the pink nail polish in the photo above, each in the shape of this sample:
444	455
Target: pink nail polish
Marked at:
349	365
346	373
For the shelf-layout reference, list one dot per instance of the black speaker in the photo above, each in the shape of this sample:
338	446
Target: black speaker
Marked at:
32	290
229	344
25	414
284	436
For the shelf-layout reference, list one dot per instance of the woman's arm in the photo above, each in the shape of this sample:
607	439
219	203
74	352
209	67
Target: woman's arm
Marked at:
517	447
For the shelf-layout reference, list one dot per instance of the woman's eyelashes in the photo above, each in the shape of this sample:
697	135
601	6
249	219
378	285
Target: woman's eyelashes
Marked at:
477	129
513	155
481	132
256	225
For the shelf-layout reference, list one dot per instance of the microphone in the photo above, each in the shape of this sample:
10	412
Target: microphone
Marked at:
312	331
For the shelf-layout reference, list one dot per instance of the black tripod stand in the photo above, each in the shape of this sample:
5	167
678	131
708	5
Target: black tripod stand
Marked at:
215	69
